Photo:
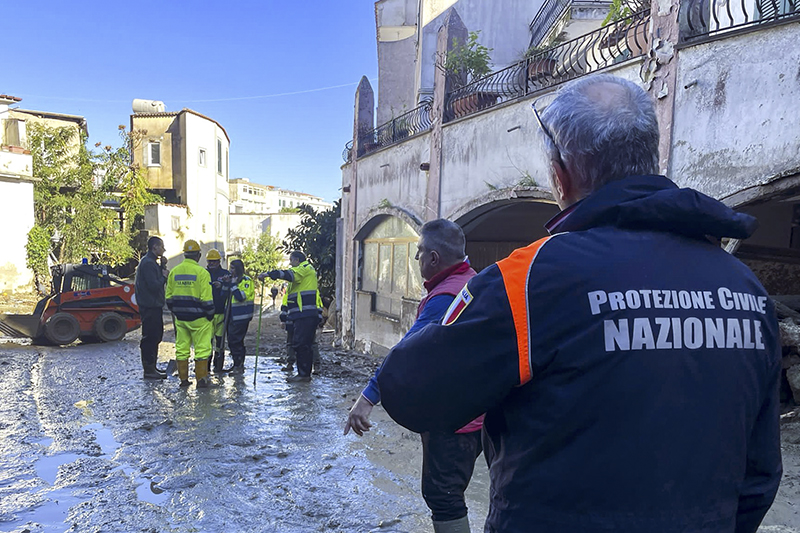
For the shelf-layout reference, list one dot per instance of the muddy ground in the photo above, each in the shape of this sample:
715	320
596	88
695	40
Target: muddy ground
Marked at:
88	446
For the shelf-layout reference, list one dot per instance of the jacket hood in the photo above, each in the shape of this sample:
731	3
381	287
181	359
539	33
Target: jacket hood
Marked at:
654	203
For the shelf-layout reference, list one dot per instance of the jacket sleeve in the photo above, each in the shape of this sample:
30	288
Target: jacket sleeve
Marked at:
432	312
170	288
206	296
763	471
445	375
152	279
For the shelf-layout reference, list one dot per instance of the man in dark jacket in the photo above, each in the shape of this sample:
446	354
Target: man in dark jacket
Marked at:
448	457
628	366
221	293
149	289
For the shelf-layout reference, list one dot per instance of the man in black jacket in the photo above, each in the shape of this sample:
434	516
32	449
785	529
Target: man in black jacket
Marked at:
149	289
629	368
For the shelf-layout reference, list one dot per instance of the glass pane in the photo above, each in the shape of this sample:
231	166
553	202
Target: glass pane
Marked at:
385	269
392	227
400	271
415	288
369	277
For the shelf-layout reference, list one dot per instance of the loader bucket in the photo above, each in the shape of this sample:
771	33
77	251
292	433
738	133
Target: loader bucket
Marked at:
20	325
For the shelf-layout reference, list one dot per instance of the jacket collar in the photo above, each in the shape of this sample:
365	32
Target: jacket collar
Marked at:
458	268
654	203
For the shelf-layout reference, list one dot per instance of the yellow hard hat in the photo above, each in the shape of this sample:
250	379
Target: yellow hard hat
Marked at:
213	255
191	246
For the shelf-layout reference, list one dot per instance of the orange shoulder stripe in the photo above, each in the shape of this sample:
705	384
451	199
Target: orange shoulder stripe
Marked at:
515	270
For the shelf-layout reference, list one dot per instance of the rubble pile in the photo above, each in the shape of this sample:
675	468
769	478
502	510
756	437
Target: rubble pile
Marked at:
790	340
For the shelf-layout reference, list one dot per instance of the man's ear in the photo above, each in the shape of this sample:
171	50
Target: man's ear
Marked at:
563	182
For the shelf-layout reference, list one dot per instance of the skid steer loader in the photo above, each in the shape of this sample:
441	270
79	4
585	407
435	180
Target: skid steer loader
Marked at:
85	301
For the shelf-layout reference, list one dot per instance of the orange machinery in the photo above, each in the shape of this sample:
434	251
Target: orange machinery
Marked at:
85	301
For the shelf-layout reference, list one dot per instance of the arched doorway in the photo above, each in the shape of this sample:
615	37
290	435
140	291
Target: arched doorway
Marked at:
496	229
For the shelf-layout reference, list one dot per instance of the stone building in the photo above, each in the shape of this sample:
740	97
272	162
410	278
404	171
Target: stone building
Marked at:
724	77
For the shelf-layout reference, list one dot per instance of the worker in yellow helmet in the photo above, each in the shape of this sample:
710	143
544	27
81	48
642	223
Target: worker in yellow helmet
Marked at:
221	295
190	298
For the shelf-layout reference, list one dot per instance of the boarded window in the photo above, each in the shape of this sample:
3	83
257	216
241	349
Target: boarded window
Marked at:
389	269
11	133
154	153
219	156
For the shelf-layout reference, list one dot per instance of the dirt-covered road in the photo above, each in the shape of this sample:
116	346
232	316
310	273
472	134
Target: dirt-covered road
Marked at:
88	446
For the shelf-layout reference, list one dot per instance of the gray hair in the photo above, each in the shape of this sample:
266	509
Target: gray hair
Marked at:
603	133
446	238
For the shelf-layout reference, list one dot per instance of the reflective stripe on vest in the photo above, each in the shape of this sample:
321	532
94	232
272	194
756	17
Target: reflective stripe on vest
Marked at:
516	269
188	291
243	310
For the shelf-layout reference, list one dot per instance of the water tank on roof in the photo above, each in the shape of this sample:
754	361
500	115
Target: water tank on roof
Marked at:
148	106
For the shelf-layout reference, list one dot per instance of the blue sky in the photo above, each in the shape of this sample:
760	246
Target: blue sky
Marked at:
226	60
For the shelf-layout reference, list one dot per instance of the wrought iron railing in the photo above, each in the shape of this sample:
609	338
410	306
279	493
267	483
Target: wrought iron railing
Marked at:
399	128
548	14
619	41
701	18
347	153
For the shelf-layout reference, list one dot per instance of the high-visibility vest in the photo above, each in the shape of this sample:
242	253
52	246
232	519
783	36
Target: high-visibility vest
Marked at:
303	296
242	302
189	291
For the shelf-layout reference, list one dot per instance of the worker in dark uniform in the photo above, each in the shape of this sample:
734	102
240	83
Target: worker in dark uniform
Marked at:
221	294
149	290
242	293
629	367
303	311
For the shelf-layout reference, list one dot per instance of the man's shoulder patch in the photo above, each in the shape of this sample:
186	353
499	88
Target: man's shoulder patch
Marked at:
461	301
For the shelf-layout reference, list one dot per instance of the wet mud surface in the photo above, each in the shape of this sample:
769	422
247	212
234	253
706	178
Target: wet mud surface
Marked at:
88	446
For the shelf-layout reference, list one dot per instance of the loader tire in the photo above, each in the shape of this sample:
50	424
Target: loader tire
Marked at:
62	328
110	327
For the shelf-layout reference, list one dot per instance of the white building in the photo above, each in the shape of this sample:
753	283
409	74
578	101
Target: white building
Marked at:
186	156
247	197
257	209
16	191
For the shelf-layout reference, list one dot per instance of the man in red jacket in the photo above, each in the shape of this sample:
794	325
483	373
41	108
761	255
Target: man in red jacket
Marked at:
448	458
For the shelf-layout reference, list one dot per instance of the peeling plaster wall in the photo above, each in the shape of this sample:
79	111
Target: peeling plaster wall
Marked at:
737	123
479	154
393	175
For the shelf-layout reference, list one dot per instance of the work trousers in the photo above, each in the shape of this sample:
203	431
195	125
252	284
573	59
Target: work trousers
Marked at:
304	330
218	326
237	329
291	358
152	334
191	333
448	460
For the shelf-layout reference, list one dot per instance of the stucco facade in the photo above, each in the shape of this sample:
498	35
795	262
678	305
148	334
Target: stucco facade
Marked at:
724	134
186	156
16	190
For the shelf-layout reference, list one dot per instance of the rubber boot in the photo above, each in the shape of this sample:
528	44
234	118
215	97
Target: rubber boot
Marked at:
151	372
316	361
201	373
460	525
291	358
183	372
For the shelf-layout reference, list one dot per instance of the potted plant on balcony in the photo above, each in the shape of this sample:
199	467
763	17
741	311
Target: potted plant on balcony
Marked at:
541	60
633	32
463	65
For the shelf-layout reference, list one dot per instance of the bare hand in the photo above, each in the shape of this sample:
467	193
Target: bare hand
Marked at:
358	419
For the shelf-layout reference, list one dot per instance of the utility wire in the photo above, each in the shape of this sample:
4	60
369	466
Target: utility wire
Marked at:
232	99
